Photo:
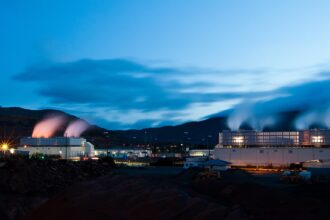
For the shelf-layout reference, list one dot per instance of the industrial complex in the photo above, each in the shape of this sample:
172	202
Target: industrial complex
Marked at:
278	149
239	148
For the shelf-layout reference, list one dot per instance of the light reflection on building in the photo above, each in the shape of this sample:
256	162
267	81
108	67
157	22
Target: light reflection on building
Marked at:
250	138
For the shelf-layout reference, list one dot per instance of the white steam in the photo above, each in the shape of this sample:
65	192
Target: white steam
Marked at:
76	128
239	116
245	114
307	119
259	123
49	126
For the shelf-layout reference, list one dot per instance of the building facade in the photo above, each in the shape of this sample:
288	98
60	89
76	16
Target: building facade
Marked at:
278	149
66	148
271	156
249	138
124	153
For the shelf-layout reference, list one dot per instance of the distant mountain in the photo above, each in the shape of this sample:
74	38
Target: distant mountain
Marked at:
19	122
199	133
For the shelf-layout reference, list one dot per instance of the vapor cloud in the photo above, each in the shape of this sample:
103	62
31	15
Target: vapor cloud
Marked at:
49	126
76	128
312	99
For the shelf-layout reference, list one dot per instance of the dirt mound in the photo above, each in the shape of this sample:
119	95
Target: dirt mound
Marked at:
267	201
25	184
122	197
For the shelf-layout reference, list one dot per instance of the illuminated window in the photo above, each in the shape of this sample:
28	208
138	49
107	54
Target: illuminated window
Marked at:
238	140
317	139
198	154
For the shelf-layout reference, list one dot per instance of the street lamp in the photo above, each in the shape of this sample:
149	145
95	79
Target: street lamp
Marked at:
4	147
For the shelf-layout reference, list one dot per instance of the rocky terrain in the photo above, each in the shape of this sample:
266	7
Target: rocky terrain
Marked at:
120	196
153	194
26	184
46	189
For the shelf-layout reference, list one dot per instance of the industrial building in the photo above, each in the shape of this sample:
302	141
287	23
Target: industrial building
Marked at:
278	149
271	156
124	153
201	153
249	138
65	147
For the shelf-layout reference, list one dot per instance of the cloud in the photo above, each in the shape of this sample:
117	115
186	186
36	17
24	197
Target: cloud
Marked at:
115	83
124	93
304	96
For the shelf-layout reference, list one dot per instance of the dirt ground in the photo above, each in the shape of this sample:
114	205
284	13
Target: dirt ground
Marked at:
26	184
171	193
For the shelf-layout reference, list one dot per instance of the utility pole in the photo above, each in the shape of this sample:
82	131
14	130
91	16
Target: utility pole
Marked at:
209	145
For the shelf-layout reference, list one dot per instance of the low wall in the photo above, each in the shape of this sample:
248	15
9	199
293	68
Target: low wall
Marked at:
269	156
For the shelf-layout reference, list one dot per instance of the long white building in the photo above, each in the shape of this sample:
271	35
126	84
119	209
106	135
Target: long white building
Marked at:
270	156
278	149
66	148
250	138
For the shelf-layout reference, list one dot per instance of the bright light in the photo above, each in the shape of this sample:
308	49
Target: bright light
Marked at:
317	139
197	154
12	150
238	140
4	146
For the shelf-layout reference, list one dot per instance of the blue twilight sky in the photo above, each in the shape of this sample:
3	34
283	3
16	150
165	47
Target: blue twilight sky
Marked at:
146	63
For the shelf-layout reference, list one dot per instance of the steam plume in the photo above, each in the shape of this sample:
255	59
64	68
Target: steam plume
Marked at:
259	123
76	128
48	127
239	116
246	113
319	117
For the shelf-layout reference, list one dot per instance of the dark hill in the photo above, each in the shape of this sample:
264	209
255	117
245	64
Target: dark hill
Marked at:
199	133
19	122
